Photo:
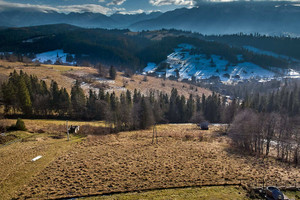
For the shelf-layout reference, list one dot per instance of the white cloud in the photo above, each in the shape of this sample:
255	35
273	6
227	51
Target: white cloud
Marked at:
116	2
172	2
6	5
133	12
62	9
191	3
84	8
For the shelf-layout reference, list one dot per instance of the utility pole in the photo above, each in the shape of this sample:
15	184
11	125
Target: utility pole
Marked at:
68	131
154	134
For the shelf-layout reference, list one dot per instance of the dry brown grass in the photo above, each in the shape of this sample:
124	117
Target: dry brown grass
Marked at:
50	126
44	72
65	76
16	168
153	83
129	162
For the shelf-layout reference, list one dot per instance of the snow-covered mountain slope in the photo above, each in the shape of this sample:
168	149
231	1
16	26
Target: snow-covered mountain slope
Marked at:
201	66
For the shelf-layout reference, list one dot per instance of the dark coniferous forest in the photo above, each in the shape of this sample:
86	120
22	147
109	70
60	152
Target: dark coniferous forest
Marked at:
134	50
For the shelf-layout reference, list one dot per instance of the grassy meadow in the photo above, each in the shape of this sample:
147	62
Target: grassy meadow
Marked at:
128	162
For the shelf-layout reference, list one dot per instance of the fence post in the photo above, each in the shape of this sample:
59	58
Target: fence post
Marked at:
68	131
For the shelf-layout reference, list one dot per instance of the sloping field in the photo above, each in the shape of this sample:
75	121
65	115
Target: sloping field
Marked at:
128	161
44	72
16	168
65	76
153	83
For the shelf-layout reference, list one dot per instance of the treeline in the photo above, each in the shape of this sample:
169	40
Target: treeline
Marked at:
26	95
270	123
281	45
263	133
285	100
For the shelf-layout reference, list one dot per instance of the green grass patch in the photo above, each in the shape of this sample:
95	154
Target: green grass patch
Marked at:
215	192
10	137
292	194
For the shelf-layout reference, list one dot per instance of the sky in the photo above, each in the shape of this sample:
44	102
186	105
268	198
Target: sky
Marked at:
106	7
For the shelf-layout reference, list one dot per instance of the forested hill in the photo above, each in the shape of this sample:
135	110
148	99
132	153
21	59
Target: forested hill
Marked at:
281	45
126	48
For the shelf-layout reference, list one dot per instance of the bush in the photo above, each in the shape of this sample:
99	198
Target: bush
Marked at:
20	126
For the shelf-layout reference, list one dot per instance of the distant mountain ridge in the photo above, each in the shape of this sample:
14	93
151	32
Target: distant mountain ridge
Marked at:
23	18
270	18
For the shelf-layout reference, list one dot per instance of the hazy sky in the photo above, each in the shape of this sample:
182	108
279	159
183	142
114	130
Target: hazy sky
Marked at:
102	6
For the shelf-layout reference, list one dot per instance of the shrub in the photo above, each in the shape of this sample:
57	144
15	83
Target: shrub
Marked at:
20	125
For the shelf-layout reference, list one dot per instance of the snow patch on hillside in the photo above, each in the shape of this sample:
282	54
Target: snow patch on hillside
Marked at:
151	67
52	57
202	66
292	74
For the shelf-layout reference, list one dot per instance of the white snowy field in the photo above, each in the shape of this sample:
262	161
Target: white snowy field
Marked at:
202	66
53	56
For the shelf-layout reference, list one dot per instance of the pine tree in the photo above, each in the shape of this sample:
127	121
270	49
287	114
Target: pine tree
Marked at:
91	105
101	94
190	107
54	93
112	73
24	97
128	97
146	114
64	101
78	100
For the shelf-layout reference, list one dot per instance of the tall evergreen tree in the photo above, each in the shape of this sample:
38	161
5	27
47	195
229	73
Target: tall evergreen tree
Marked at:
78	100
112	72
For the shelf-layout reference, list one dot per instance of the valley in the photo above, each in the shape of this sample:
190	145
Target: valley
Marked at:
152	99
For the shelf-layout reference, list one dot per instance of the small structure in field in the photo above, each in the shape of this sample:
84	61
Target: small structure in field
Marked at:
204	125
74	129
